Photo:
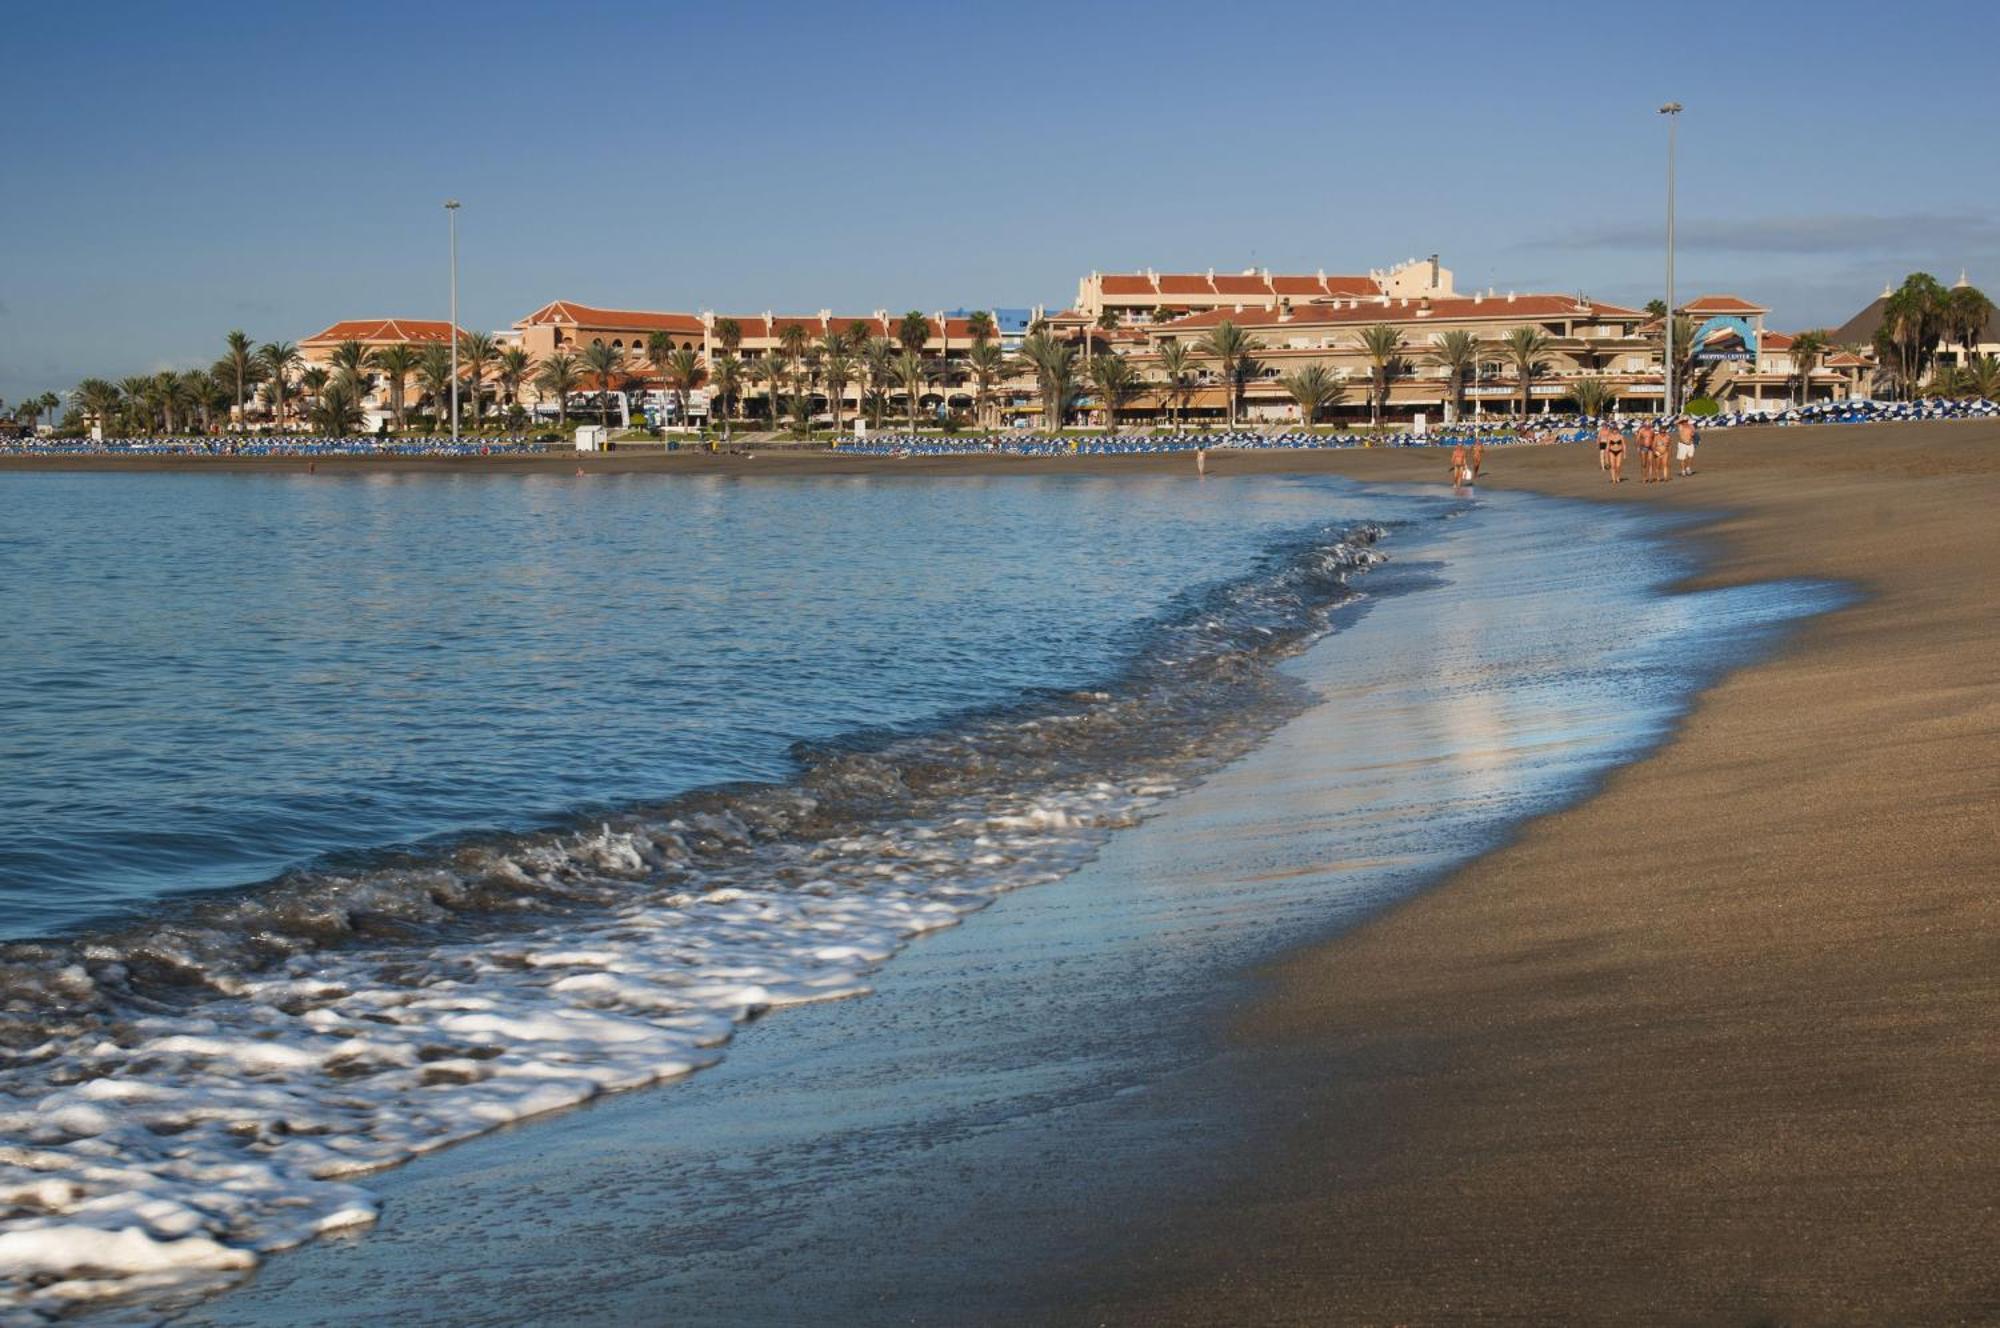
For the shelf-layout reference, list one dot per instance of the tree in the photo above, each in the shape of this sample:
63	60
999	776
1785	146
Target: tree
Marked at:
793	341
1979	380
837	367
1177	367
1808	349
1525	347
911	375
1054	363
1117	382
434	376
476	350
729	335
396	362
878	371
336	413
659	349
1314	387
1458	355
684	372
351	359
913	332
244	367
511	370
50	404
608	364
28	411
1384	345
1230	347
279	359
980	327
314	380
988	365
1965	316
772	372
210	395
1656	308
728	385
1915	319
136	396
1594	396
560	375
98	399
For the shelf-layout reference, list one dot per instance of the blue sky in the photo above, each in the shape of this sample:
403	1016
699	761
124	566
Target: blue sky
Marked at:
176	171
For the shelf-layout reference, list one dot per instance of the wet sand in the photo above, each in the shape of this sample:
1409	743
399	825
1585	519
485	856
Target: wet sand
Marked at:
1721	1045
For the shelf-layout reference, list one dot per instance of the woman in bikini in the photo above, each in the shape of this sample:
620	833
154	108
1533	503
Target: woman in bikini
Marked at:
1614	451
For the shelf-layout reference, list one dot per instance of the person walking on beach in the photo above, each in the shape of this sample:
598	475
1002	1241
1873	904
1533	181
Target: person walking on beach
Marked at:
1478	457
1459	471
1684	447
1615	451
1605	433
1645	451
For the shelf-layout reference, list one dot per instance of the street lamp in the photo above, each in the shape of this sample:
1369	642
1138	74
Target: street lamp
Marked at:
1672	110
451	213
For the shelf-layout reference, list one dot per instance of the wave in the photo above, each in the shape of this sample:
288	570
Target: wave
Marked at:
183	1093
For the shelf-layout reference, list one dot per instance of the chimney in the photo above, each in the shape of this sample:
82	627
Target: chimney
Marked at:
1322	276
1479	297
1510	297
1211	276
1434	271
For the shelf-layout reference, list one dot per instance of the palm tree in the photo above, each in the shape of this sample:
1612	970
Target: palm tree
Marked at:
434	376
1314	388
337	412
1914	318
1656	308
1117	382
560	375
1594	396
1684	329
511	371
1965	315
793	342
1457	354
1177	365
729	335
608	363
279	358
1230	347
911	375
1808	349
837	367
772	372
1979	380
980	327
50	404
395	362
314	380
878	370
476	350
988	364
1054	362
1525	346
659	349
728	380
1384	345
98	400
684	372
136	395
210	395
242	360
351	358
913	333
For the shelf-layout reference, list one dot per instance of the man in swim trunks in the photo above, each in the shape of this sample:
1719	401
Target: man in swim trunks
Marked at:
1458	471
1684	447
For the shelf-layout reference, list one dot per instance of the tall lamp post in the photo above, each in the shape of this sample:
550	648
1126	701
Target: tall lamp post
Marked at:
1672	110
451	213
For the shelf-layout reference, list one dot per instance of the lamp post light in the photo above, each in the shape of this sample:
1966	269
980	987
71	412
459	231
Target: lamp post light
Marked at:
451	213
1672	110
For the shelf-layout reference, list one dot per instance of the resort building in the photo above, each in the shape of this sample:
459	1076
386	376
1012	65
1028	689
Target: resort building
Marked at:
1860	330
374	334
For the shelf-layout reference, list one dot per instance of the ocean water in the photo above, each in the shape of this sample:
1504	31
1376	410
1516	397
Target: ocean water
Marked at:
346	818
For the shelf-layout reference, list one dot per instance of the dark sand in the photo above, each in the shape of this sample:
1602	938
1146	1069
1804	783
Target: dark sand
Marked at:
1720	1045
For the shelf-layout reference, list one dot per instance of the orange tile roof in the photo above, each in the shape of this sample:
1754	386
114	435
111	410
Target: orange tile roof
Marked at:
1847	359
584	315
1182	284
1238	283
1128	284
383	331
1777	341
1722	304
1492	308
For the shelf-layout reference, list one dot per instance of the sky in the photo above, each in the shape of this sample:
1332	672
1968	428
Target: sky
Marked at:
176	171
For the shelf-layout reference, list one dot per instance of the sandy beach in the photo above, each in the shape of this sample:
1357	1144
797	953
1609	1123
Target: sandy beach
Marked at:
1714	1046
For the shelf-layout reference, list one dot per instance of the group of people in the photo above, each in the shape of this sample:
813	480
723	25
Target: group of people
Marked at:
1660	444
1466	462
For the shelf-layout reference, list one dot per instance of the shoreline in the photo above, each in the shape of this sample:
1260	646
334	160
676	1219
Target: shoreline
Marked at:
1715	1044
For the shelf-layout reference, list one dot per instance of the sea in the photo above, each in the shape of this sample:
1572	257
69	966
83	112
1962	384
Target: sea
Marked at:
344	818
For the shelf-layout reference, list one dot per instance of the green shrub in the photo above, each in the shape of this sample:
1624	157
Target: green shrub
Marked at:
1702	406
